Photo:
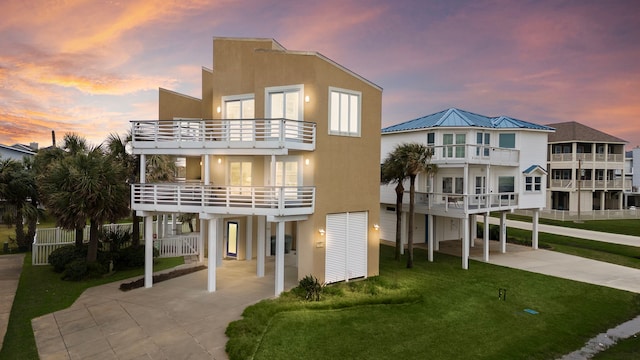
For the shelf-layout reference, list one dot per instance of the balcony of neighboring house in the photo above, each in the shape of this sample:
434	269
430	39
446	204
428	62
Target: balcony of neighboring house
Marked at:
195	197
459	205
475	154
226	136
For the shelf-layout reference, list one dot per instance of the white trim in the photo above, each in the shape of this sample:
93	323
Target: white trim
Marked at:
285	88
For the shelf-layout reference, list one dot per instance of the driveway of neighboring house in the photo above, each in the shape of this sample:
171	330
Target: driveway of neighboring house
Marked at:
10	269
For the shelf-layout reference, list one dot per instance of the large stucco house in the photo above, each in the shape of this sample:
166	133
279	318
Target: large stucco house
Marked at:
281	146
586	169
485	164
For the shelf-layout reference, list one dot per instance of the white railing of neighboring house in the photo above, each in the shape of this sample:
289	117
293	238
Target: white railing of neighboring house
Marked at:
474	154
224	133
564	215
466	203
200	198
49	239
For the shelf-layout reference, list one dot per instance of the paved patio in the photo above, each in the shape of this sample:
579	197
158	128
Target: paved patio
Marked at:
175	319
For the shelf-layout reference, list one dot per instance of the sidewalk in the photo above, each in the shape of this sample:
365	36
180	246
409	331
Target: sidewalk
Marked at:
578	233
10	269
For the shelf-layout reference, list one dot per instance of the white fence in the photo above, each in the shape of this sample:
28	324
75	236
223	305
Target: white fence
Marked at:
584	215
47	240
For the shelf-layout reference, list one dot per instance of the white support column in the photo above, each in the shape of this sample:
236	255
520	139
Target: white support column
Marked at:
148	251
534	229
602	200
279	273
268	239
160	225
485	239
261	245
472	229
220	241
143	168
465	243
249	232
430	236
207	171
503	232
212	256
201	241
174	224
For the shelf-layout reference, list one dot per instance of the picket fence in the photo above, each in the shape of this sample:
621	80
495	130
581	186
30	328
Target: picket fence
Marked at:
49	239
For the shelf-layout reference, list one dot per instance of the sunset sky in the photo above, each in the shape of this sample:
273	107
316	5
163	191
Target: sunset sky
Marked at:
91	66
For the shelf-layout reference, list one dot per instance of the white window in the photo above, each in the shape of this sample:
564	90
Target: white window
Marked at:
454	145
448	185
240	107
344	112
240	177
287	175
284	103
483	140
533	183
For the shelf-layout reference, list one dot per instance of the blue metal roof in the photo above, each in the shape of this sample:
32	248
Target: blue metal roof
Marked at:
459	118
533	168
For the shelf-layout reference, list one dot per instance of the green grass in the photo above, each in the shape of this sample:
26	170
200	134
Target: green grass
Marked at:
619	226
623	350
434	311
40	291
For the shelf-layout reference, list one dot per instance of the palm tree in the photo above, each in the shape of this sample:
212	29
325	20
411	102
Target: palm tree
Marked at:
18	189
392	172
407	160
85	186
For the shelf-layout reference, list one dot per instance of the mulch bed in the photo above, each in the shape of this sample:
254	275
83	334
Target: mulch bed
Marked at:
161	277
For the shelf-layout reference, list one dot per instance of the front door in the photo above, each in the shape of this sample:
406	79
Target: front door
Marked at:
232	239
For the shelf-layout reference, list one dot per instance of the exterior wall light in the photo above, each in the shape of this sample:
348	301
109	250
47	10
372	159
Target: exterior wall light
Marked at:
306	162
321	231
306	99
219	161
218	109
376	227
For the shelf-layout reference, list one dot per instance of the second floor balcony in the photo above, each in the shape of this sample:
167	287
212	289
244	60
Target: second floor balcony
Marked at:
613	184
233	136
475	154
222	200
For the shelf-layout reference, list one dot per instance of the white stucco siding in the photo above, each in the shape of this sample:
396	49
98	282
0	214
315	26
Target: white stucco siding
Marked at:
533	151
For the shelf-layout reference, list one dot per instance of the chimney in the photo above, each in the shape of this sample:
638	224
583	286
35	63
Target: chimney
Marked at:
53	138
34	146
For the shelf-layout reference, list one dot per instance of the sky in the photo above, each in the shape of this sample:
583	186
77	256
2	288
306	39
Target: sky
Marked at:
91	66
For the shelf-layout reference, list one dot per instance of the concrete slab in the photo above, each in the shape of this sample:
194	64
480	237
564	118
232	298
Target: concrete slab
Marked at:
175	319
10	269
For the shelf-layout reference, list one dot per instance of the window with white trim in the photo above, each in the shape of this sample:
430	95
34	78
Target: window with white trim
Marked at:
344	112
284	103
240	177
533	183
236	108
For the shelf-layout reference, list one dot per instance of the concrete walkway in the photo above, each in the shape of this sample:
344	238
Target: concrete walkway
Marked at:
10	269
175	319
578	233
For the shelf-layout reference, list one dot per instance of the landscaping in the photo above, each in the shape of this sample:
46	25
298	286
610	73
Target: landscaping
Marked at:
41	291
435	311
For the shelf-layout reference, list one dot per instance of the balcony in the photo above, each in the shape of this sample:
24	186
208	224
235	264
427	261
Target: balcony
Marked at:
215	199
460	205
475	154
569	185
239	137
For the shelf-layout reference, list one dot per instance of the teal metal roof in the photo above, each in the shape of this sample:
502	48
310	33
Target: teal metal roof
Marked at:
459	118
533	168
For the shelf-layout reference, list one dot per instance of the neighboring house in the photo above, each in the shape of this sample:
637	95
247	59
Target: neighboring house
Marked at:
632	175
18	151
585	161
485	164
282	149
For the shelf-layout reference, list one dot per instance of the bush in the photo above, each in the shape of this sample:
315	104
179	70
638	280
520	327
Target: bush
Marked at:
311	287
131	257
75	270
59	258
116	239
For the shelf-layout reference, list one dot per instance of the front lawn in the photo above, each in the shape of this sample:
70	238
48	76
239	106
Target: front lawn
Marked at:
617	226
434	311
40	291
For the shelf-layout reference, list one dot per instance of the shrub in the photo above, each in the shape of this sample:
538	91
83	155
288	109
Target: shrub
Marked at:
312	287
75	270
60	257
116	239
131	257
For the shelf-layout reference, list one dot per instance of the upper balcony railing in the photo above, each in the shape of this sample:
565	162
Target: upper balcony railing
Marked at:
612	184
215	199
475	154
457	204
588	157
223	134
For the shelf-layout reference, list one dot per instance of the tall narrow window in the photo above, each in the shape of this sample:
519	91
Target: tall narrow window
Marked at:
483	140
240	177
481	185
237	108
344	112
284	103
287	175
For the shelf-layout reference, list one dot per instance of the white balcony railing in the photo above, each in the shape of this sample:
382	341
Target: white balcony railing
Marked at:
224	134
460	203
475	154
215	199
